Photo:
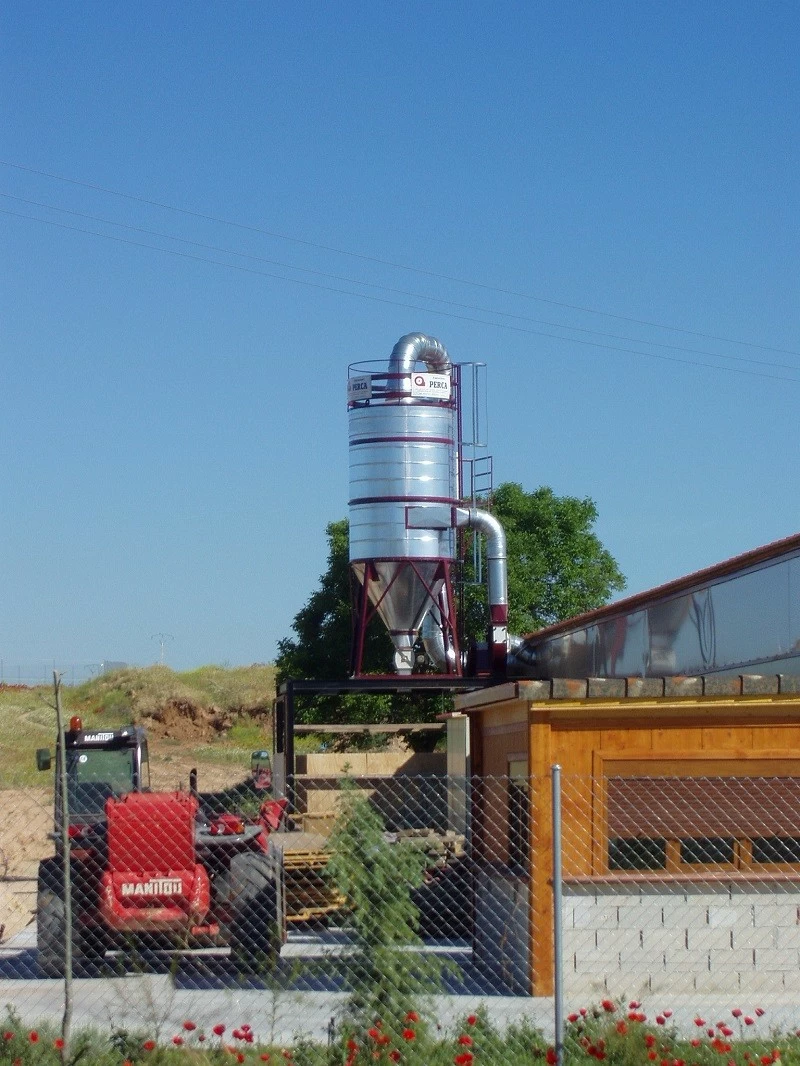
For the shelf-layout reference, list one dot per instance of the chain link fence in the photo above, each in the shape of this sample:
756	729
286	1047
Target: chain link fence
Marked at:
428	904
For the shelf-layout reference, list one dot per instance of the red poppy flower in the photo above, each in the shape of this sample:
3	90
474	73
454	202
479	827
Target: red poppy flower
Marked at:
239	1056
409	1034
33	1036
8	1035
649	1040
465	1041
699	1022
218	1030
608	1005
652	1055
58	1043
395	1055
466	1058
573	1017
622	1027
412	1016
737	1012
177	1040
759	1012
660	1019
264	1056
748	1020
472	1019
551	1057
189	1026
149	1045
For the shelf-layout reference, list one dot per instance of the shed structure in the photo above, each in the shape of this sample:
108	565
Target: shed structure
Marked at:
681	831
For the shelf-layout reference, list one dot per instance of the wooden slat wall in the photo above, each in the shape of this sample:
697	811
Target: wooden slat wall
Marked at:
703	806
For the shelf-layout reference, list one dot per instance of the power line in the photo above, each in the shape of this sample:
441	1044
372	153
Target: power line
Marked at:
398	303
386	262
387	288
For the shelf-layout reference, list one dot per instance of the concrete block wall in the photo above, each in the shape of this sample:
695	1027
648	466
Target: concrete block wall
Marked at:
659	939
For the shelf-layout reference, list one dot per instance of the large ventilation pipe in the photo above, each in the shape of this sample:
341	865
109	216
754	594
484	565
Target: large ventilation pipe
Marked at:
417	346
496	582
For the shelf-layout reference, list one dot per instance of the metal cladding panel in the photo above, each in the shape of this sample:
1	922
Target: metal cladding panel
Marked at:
400	454
735	622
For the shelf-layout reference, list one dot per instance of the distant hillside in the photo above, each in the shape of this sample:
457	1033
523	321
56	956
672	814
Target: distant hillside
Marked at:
212	708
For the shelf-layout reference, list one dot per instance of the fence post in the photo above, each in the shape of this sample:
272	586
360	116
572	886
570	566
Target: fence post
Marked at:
558	929
66	1021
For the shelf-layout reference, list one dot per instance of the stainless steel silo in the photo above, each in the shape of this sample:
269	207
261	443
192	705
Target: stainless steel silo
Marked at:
403	429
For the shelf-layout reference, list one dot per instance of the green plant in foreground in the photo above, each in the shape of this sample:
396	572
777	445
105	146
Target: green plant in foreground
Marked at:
377	879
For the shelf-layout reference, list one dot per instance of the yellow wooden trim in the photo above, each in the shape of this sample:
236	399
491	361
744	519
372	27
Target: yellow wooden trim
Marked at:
540	902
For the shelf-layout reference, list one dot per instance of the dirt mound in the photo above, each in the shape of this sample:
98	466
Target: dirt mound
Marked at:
183	719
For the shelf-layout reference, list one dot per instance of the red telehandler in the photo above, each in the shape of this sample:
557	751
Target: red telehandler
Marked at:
152	868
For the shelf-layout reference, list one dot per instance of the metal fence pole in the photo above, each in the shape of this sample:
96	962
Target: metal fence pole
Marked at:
66	1021
558	920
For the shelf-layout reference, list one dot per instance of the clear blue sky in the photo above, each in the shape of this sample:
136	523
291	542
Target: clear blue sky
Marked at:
173	429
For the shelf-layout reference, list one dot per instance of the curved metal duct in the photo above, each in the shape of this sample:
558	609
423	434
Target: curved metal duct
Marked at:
496	579
414	347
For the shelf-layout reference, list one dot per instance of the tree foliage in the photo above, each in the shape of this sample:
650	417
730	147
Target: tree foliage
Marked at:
377	879
557	566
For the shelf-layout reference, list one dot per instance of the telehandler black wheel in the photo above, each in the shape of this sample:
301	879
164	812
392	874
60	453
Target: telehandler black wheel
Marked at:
256	924
50	919
88	945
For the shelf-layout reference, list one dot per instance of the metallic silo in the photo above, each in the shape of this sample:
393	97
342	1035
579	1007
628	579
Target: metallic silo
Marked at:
404	429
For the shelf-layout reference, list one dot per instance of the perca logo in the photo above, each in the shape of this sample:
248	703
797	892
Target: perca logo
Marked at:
97	738
431	386
159	886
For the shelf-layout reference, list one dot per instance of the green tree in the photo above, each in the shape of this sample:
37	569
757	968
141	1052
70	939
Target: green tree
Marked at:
377	879
557	565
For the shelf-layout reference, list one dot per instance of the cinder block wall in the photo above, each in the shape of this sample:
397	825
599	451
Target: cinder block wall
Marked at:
696	938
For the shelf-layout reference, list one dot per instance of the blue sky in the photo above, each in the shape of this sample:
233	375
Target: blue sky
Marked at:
303	184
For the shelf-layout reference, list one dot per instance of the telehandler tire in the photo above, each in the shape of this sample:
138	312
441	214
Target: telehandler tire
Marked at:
256	924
